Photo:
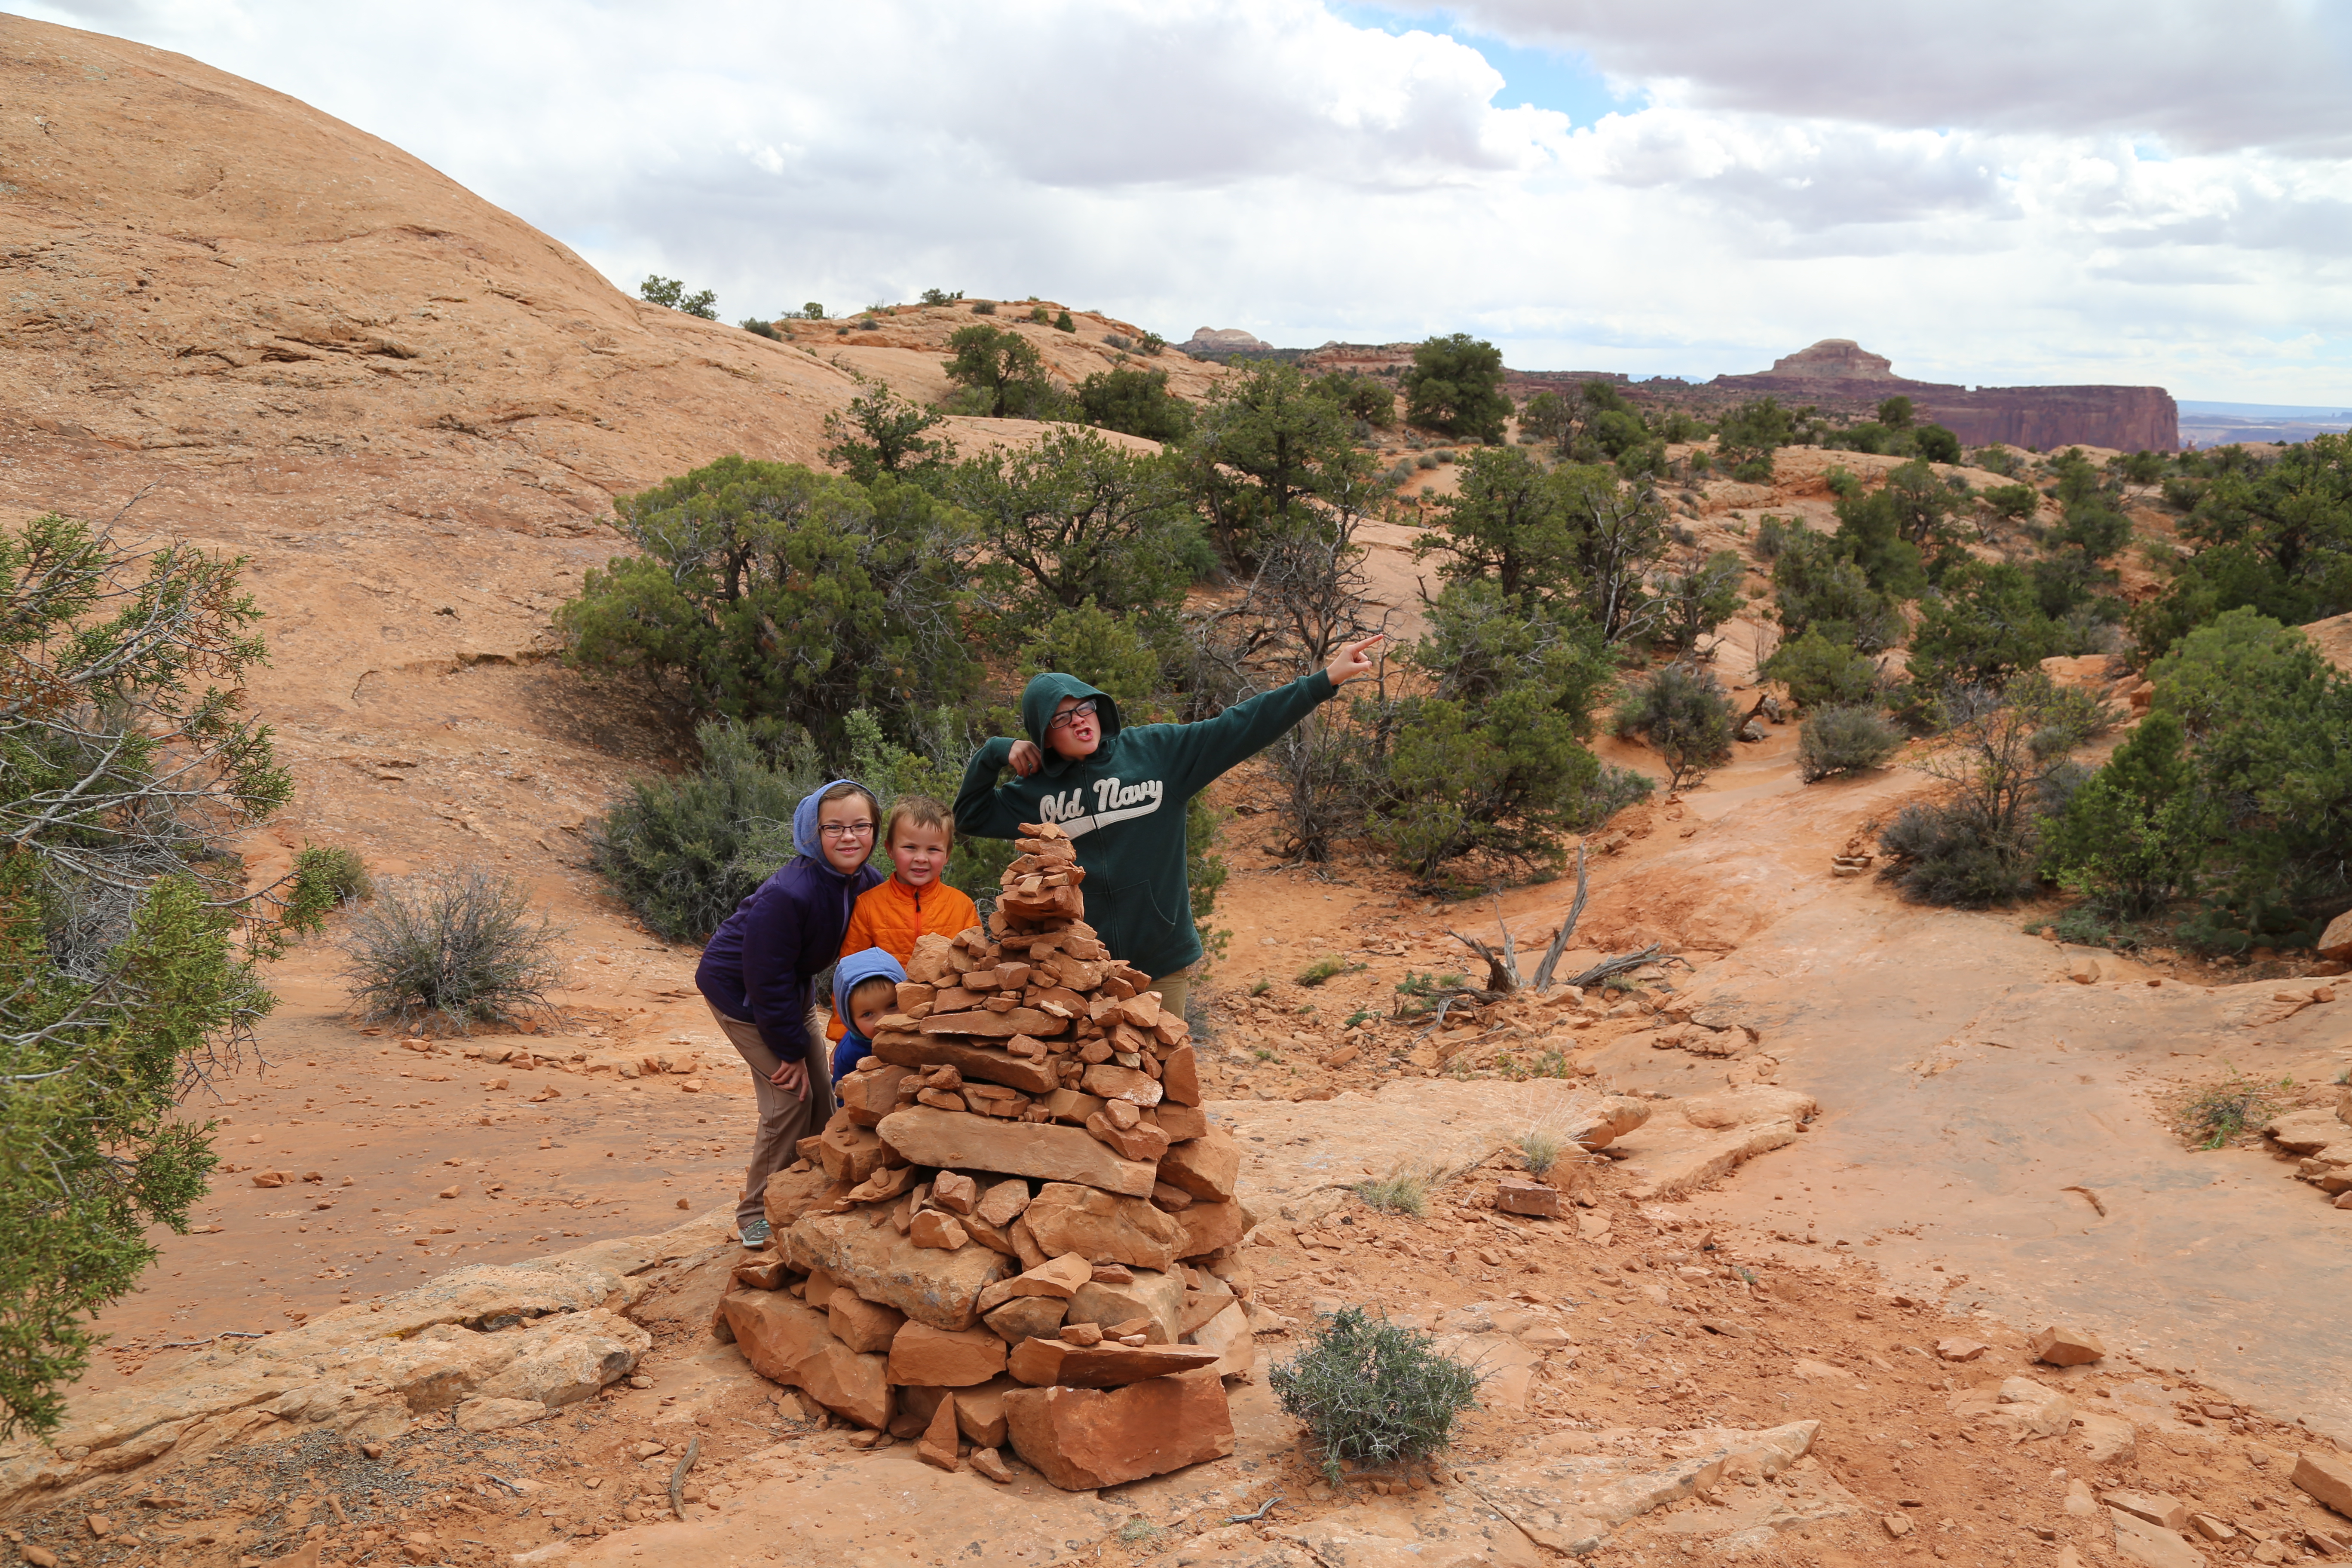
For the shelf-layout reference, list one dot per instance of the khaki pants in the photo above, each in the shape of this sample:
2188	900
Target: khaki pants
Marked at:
784	1118
1174	990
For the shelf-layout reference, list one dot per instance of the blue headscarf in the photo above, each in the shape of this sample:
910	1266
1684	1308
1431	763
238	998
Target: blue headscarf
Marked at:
804	838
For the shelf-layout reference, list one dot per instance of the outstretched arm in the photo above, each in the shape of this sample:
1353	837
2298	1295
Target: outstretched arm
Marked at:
1209	747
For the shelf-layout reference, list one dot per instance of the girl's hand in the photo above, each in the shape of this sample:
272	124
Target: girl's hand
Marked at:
792	1078
1026	759
1354	660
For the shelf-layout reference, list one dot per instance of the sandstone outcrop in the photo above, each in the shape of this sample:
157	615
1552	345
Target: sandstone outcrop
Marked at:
490	1347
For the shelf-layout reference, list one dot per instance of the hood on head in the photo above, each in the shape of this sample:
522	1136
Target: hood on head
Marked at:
1044	693
804	838
862	965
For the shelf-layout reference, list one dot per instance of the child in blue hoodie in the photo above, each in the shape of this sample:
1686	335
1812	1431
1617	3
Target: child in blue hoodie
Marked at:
865	992
756	972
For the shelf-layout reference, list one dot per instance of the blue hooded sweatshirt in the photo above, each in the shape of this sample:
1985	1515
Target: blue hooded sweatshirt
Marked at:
758	964
862	965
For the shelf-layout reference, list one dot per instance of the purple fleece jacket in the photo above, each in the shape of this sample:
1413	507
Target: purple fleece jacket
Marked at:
758	964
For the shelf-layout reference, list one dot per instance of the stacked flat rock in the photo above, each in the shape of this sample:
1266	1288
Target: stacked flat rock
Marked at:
1020	1226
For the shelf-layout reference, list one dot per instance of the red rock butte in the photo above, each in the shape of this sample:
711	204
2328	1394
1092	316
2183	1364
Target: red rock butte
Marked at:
2130	419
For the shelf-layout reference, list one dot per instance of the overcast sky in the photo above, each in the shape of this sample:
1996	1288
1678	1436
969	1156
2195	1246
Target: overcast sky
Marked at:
2143	191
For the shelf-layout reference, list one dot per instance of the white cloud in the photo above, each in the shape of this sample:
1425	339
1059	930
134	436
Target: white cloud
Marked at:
2071	193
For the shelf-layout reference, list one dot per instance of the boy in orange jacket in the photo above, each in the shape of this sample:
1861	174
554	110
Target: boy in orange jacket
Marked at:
918	833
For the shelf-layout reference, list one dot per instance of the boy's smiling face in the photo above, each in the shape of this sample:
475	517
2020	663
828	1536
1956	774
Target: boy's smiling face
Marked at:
918	854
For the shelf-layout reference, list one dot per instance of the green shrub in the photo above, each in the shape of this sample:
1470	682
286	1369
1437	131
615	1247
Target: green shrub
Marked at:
1005	367
2004	756
1371	1393
1063	323
1941	856
1684	715
671	293
940	297
1073	520
1492	764
759	328
336	870
1136	402
459	946
1455	388
812	311
682	852
1540	1149
1852	740
1820	673
767	592
984	308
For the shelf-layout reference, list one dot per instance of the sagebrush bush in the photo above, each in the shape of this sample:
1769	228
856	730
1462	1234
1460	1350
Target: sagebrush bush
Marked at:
1370	1392
682	852
461	946
1834	740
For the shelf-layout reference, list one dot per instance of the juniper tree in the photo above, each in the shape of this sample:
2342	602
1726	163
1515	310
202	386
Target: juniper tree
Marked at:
127	938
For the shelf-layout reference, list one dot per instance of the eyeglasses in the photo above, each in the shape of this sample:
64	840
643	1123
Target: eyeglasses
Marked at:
1061	721
846	829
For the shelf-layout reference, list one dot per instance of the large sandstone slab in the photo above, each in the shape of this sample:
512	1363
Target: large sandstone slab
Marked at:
1057	1362
980	1062
1081	1439
927	1136
930	1285
1103	1227
983	1025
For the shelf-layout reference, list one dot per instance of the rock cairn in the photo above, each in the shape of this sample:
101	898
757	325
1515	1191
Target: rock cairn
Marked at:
1019	1228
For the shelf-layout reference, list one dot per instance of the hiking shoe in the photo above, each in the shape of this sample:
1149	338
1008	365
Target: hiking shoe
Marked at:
754	1233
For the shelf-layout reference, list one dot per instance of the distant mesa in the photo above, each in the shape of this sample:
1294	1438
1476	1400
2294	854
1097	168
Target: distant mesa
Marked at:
1225	341
1836	359
1839	371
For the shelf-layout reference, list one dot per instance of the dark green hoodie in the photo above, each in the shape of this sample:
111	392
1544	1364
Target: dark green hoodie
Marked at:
1125	805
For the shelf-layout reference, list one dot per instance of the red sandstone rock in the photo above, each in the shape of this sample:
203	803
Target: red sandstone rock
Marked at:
866	1327
1081	1439
1207	1227
2064	1347
1045	1362
939	1445
937	1358
1207	1166
1103	1227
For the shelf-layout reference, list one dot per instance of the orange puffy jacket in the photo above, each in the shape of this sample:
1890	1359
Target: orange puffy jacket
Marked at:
892	915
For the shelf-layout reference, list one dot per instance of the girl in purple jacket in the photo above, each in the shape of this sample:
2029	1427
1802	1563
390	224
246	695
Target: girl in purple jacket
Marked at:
756	970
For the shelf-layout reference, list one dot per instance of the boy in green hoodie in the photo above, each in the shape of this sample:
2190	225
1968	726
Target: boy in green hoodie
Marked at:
1120	794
